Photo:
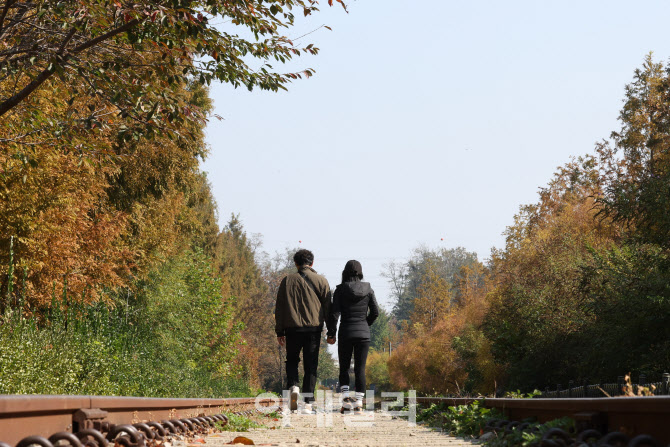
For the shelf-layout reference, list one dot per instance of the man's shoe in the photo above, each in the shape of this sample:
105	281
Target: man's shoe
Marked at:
293	400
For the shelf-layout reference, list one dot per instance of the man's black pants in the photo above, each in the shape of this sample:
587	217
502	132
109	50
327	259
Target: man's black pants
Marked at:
359	348
308	343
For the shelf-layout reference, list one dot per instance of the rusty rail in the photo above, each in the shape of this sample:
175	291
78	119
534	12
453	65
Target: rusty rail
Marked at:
632	416
22	416
35	419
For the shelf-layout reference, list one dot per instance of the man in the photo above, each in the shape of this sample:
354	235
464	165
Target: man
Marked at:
303	303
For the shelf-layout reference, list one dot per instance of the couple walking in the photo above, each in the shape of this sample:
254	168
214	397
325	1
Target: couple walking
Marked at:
303	305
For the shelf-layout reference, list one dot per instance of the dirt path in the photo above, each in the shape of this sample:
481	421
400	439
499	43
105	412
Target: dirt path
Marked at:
334	429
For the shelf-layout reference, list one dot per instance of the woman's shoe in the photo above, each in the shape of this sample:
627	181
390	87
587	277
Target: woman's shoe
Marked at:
293	400
358	405
347	405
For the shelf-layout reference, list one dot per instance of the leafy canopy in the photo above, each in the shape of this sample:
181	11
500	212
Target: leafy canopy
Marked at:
128	54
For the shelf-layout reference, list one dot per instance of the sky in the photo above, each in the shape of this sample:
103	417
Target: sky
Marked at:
427	123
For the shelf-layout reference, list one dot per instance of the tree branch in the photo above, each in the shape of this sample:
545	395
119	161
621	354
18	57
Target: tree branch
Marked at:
18	17
27	90
5	10
5	54
46	74
67	40
106	36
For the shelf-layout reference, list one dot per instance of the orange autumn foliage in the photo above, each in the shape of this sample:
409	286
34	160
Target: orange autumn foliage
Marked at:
538	303
453	355
63	231
90	221
427	362
433	300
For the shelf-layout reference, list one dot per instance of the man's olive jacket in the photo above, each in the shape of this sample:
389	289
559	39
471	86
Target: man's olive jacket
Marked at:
300	308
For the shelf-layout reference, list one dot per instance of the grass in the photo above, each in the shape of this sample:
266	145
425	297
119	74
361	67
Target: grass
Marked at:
239	423
246	422
460	420
172	337
104	356
471	421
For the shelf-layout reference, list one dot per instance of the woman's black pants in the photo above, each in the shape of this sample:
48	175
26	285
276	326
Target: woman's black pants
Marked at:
359	348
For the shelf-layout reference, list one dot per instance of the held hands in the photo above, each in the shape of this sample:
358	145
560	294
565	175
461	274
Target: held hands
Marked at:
282	341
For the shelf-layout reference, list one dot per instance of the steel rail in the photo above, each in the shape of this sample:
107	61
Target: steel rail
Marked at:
630	415
22	416
44	415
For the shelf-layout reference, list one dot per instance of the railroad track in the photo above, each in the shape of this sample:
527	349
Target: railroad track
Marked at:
629	416
95	421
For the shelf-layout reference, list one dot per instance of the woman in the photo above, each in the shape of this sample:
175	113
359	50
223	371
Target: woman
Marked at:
352	299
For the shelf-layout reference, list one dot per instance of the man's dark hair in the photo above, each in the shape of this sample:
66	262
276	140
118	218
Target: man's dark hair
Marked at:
303	257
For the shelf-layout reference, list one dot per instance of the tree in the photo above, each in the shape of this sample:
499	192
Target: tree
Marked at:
470	280
233	258
444	349
380	331
628	292
128	55
377	371
64	235
428	363
433	300
192	319
406	278
538	307
636	163
580	289
327	369
627	285
96	221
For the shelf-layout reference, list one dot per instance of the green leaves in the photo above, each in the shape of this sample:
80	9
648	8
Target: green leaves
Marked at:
155	343
460	420
126	38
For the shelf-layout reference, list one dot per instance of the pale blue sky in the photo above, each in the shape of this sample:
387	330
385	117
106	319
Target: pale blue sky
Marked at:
425	120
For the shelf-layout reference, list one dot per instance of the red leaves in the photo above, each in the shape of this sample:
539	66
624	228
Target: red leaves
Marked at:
341	2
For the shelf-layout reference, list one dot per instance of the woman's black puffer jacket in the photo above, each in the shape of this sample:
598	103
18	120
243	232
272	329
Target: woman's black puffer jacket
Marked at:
352	300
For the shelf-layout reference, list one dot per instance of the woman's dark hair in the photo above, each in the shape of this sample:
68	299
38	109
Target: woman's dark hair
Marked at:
352	271
303	257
